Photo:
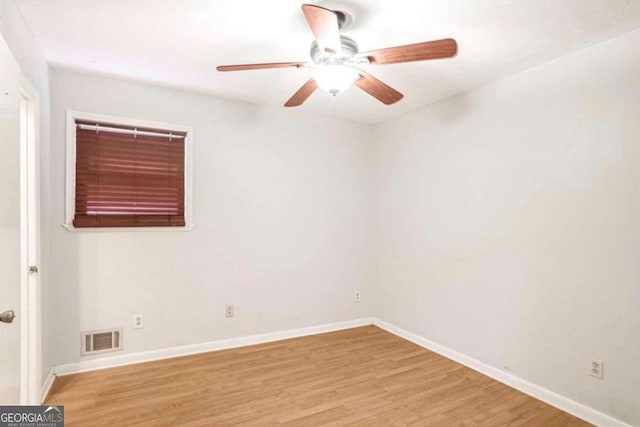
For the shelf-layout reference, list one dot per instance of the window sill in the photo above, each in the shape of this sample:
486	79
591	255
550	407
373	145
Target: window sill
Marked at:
70	227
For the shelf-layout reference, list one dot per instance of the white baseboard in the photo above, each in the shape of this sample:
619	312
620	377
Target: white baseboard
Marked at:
579	410
46	385
166	353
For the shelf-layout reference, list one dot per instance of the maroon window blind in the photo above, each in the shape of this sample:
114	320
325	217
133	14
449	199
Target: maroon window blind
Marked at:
128	177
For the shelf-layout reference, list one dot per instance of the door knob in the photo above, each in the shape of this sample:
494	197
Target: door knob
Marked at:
7	316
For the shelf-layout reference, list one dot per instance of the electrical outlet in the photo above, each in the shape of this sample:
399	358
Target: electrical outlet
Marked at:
138	321
228	312
356	296
597	369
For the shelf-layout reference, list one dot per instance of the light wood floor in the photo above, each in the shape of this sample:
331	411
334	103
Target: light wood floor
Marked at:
362	376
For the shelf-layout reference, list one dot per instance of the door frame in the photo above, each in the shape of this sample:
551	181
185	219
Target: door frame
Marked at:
30	306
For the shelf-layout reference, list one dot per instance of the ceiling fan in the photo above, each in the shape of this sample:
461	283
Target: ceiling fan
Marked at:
336	59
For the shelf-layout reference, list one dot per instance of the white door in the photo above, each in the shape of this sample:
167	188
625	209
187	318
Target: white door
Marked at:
10	251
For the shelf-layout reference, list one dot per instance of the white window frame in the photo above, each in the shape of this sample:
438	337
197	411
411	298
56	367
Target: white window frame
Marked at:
70	195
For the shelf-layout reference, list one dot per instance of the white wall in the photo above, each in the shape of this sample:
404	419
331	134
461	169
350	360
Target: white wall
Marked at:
35	70
280	198
508	224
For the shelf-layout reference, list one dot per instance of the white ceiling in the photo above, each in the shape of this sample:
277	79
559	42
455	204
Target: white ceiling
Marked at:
180	42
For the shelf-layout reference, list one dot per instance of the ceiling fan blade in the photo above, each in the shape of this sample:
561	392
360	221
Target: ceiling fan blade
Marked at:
302	94
379	90
324	26
243	67
436	49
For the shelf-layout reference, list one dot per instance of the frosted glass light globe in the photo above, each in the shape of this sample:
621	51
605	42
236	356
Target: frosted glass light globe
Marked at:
334	78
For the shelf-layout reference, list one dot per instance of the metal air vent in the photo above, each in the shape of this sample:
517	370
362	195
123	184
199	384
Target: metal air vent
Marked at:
96	342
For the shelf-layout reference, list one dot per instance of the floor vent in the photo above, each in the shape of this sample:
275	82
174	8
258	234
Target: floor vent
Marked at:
96	342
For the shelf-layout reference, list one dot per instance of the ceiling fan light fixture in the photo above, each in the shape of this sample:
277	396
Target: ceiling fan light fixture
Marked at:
336	58
334	78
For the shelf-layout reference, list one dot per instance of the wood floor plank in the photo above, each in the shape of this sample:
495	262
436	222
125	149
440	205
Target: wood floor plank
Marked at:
362	376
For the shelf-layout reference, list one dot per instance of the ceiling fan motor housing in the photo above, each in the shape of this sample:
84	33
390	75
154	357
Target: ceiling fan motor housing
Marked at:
347	56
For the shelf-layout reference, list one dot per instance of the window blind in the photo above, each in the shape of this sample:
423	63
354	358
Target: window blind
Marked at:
128	176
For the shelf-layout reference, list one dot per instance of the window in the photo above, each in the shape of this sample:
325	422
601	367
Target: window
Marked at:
127	174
